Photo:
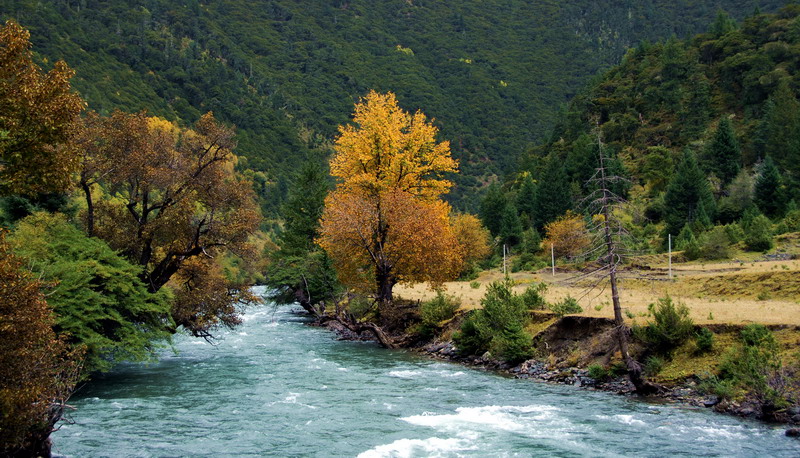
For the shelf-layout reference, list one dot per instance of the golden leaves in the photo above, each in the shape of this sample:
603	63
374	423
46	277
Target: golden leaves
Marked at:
568	235
38	116
396	229
387	148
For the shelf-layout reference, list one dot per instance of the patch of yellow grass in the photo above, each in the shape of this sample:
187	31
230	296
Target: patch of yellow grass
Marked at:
723	292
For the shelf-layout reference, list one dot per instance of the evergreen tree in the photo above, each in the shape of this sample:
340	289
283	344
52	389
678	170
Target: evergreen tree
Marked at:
303	208
724	155
526	200
687	194
510	225
723	24
492	207
779	133
696	110
552	195
769	195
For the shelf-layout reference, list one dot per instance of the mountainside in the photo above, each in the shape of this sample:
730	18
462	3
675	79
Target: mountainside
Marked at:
492	73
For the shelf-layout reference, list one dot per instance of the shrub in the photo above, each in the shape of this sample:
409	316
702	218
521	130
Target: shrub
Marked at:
755	367
653	365
704	341
715	244
792	221
532	297
441	308
498	326
474	284
670	327
598	372
758	234
567	306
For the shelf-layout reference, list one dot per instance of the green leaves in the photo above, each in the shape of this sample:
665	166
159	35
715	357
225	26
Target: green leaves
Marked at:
96	295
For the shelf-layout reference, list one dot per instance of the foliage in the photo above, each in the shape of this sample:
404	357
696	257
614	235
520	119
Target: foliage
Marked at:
715	244
498	327
510	225
441	308
769	194
532	296
472	236
302	209
175	197
97	297
704	341
670	327
723	154
568	235
566	307
37	370
38	114
385	223
755	367
552	194
653	365
758	234
598	372
688	196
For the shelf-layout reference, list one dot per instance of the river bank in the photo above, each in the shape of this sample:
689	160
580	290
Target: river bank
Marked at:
567	346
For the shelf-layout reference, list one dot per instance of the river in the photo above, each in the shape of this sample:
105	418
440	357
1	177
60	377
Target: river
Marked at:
275	386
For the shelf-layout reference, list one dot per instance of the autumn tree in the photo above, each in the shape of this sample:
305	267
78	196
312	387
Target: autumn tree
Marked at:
472	236
384	223
568	235
163	195
37	370
38	115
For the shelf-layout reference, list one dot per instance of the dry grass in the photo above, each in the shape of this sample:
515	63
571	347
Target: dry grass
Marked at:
725	292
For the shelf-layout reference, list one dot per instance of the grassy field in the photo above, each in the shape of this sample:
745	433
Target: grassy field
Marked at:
745	290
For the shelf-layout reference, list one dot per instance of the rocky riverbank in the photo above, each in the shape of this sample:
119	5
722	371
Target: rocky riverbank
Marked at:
581	340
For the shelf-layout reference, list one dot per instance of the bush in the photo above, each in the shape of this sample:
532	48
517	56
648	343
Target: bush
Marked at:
715	244
754	367
758	234
671	326
497	327
792	221
653	365
441	308
598	372
567	306
532	297
704	341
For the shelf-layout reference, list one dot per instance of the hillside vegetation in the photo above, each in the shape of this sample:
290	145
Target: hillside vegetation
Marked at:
286	73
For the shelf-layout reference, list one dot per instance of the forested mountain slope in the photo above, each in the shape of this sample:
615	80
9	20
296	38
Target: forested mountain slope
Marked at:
493	73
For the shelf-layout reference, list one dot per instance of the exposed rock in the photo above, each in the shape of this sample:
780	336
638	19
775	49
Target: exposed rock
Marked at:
711	401
793	432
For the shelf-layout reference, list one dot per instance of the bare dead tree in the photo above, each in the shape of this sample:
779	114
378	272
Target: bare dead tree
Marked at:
609	250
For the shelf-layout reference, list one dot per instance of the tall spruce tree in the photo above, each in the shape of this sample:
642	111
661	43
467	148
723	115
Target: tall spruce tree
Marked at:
724	155
526	200
552	194
779	133
303	208
510	225
492	208
688	195
769	194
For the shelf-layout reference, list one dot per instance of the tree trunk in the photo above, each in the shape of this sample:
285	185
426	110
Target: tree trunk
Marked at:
87	191
385	283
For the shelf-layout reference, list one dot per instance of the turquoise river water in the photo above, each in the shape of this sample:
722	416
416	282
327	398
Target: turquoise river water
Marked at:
276	387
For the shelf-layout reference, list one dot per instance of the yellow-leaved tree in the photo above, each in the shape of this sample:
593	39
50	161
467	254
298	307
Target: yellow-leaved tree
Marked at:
385	222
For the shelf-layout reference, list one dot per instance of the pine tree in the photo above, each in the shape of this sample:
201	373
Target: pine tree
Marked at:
779	133
526	200
685	192
724	155
769	195
492	208
553	194
302	210
510	225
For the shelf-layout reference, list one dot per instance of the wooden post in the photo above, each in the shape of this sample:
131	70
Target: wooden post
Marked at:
553	259
669	244
505	274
